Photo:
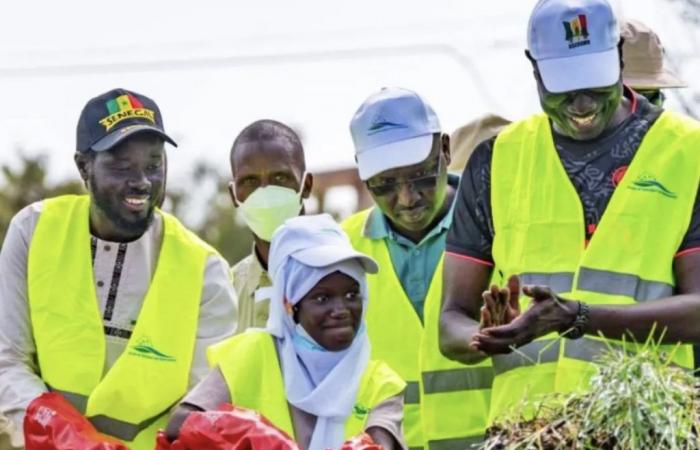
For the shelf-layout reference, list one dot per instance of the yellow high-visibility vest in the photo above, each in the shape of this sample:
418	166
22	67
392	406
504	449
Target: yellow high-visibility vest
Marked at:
132	399
251	368
446	402
539	235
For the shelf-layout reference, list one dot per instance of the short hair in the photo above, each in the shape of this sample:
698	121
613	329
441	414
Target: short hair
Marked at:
267	130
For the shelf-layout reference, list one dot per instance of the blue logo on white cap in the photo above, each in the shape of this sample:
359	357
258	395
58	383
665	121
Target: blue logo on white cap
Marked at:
379	124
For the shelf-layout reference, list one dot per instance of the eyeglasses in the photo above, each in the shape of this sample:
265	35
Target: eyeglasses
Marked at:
425	180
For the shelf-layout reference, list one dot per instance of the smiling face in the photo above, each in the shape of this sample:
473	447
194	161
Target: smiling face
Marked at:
411	197
125	185
582	114
331	311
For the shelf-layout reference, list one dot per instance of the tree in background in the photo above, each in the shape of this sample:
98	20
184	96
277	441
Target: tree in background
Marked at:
27	184
203	204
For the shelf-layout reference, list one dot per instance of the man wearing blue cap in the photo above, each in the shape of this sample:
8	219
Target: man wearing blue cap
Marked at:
402	156
592	206
104	298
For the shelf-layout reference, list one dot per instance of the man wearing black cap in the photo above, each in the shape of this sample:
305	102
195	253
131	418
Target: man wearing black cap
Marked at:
103	297
592	205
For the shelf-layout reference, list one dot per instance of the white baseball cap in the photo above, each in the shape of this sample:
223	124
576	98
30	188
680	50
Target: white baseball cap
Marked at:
316	241
392	128
575	44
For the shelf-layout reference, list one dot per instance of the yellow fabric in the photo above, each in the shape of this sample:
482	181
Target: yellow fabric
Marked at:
152	373
250	366
539	231
398	337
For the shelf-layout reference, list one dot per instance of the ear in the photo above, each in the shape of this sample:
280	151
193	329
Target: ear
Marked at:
535	70
529	57
619	51
232	193
308	185
445	148
83	162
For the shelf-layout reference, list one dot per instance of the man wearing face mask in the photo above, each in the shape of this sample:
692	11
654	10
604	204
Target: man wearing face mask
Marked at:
269	183
593	205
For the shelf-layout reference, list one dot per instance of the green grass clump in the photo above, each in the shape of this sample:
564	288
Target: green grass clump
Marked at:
638	400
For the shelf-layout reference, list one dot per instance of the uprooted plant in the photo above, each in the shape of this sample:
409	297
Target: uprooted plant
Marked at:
638	400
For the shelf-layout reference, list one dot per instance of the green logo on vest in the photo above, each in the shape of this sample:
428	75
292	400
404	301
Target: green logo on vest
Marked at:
647	182
145	349
360	411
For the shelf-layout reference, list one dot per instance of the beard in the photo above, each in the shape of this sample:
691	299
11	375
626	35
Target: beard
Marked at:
111	206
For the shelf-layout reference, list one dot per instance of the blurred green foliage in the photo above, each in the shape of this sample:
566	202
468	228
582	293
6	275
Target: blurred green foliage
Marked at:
202	202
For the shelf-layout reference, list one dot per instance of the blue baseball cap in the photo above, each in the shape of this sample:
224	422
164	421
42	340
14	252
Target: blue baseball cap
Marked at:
575	44
392	128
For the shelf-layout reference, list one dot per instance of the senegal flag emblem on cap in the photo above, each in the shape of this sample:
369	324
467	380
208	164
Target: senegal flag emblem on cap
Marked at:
125	107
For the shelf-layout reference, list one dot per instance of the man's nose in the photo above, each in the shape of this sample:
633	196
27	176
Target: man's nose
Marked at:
139	181
582	103
407	195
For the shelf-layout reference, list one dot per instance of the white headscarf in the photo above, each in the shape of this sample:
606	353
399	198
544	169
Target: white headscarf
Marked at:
320	382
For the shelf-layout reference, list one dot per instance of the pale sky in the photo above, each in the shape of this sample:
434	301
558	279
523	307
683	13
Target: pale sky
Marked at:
213	67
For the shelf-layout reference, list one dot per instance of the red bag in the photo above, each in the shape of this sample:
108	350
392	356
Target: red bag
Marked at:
361	442
229	428
52	423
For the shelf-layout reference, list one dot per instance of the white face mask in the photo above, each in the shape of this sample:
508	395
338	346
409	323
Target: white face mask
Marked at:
268	207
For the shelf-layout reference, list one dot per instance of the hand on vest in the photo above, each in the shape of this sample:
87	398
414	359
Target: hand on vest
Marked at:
229	428
501	306
361	442
547	313
52	423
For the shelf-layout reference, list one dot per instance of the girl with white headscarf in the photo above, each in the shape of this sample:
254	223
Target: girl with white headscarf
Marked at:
313	358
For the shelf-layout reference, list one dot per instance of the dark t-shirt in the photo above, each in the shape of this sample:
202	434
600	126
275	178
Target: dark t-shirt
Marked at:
595	168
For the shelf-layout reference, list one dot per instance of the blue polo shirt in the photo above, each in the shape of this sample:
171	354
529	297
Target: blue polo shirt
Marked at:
414	264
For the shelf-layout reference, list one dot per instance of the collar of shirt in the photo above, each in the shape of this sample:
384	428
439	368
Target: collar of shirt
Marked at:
257	271
378	227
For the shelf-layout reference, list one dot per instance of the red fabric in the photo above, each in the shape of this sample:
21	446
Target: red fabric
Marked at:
470	258
229	428
361	442
52	423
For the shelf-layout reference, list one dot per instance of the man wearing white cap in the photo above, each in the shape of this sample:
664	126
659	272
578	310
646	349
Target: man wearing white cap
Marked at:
593	202
402	155
644	71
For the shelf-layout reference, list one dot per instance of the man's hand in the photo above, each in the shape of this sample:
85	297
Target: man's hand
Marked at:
547	312
501	306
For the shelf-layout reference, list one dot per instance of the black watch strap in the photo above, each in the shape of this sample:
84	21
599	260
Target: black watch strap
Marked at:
580	323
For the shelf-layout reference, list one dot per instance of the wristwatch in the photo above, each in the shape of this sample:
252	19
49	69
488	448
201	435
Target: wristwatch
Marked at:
578	326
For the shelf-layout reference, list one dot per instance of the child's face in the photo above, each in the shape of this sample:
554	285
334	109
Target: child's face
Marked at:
331	311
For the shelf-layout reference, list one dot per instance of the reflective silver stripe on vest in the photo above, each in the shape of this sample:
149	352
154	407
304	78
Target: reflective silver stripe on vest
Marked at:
616	283
585	349
535	352
589	350
114	427
412	394
78	401
558	281
464	443
452	380
123	430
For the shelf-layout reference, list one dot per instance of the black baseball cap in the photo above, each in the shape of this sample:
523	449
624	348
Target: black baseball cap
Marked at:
108	119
